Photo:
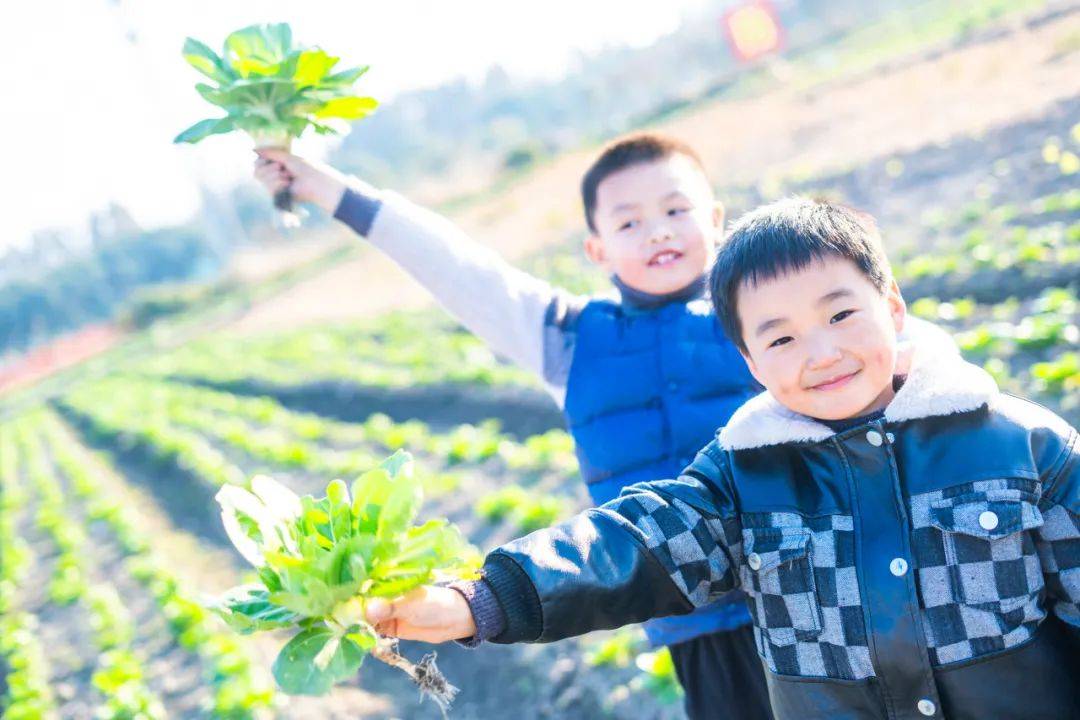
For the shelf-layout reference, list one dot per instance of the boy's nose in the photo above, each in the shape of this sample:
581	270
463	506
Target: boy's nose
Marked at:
660	234
822	355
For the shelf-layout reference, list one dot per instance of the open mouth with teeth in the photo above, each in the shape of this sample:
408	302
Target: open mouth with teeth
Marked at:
664	257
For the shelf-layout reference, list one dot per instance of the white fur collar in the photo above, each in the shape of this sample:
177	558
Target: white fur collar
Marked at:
939	382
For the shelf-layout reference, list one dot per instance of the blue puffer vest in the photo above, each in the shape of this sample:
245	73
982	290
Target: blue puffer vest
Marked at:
647	389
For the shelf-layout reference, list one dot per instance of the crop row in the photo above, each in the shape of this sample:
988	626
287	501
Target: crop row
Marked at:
403	349
237	690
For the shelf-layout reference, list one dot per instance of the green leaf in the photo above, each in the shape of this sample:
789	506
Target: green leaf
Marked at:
345	77
396	586
258	46
351	559
399	462
341	517
370	492
248	608
204	129
401	506
312	66
304	666
270	579
236	97
363	639
206	61
348	108
310	600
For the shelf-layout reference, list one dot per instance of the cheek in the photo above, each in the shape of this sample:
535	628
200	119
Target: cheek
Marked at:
880	351
696	228
886	361
622	250
779	373
630	264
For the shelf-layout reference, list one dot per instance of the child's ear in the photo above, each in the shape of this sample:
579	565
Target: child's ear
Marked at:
897	306
594	249
718	217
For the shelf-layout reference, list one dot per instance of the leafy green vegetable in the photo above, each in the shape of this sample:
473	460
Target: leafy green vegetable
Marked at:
320	560
272	88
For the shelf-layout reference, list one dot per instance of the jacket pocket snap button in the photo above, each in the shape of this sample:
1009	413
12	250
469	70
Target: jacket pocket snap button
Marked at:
988	520
874	438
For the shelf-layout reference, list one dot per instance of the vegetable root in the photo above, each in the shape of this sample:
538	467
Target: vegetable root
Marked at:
431	682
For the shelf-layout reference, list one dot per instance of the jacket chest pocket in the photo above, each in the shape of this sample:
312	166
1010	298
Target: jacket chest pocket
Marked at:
987	552
779	576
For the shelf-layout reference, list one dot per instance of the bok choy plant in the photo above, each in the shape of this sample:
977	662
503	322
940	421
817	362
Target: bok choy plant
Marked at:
273	89
320	560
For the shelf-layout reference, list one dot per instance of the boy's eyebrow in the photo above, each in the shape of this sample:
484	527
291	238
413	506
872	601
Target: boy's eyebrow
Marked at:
823	300
768	325
834	295
633	206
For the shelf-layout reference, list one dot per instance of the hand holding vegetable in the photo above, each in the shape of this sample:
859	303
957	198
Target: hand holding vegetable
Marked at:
309	181
322	561
429	614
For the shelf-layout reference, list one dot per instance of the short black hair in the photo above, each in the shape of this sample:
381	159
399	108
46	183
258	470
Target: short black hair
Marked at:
786	236
625	151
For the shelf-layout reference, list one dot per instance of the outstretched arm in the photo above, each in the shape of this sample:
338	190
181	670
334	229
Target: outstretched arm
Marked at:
504	306
660	548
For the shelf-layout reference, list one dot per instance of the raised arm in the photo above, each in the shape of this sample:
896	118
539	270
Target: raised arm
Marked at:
504	306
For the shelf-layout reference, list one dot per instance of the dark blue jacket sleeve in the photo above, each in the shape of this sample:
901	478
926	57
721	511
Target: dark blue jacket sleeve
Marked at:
660	548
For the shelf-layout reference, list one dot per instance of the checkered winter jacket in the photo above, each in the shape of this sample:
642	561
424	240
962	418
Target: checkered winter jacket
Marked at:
926	564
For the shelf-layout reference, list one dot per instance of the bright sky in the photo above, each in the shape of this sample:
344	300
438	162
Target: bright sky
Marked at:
91	116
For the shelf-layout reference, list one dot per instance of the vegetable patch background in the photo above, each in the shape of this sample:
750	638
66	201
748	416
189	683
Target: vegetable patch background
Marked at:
312	359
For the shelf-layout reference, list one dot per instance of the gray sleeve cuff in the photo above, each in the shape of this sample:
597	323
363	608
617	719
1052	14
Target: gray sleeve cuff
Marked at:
560	335
358	210
487	613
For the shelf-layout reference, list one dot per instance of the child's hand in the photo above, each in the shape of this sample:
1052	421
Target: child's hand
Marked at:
310	181
430	614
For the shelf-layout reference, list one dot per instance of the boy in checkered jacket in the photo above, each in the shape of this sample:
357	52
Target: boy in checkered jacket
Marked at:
907	535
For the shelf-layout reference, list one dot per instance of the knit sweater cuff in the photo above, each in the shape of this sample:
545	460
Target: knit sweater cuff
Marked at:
358	208
486	611
517	597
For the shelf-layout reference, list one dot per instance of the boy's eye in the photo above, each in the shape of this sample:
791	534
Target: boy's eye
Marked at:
780	341
677	211
628	224
840	316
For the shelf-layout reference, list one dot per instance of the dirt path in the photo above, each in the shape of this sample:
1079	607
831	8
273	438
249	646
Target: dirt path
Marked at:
1015	76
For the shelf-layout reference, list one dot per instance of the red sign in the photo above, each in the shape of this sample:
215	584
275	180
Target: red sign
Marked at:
753	30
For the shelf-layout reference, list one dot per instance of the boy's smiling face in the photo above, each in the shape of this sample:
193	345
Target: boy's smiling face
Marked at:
822	340
656	224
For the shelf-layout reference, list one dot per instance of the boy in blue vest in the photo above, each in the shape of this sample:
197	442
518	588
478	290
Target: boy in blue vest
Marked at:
908	536
625	368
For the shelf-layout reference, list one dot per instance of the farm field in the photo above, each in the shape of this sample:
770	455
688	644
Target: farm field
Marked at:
111	537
